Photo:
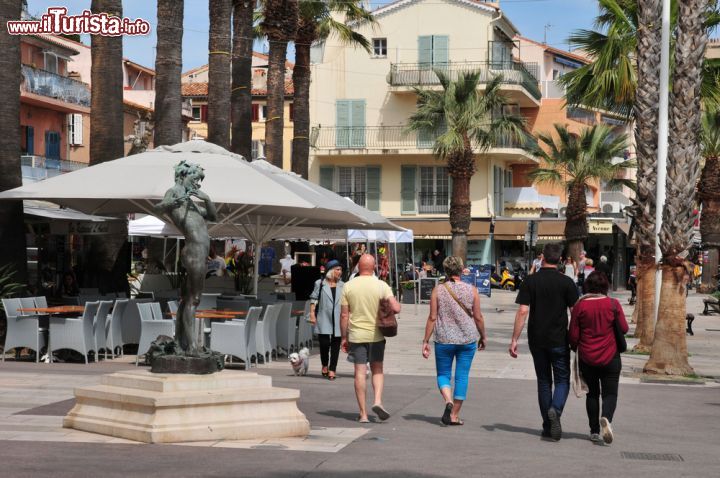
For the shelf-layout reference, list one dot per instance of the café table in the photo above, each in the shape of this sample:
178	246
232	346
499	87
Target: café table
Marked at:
210	314
60	309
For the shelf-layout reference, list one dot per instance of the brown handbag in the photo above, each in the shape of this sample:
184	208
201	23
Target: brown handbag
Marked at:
386	319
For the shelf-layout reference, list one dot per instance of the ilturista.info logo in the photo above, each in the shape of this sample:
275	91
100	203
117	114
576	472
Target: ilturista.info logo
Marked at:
57	22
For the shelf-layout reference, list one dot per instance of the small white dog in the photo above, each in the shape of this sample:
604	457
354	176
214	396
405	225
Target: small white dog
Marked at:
300	361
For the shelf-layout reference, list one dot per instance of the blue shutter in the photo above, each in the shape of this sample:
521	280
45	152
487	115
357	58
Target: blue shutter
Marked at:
440	50
425	51
327	177
357	119
30	139
372	186
407	190
342	121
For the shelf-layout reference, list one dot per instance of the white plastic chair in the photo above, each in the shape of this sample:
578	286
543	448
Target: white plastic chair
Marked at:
150	329
269	328
251	321
27	303
22	330
284	329
173	306
114	327
156	310
208	301
100	327
74	334
40	302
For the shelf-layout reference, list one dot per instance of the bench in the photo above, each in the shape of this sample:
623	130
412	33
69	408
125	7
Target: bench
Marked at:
711	305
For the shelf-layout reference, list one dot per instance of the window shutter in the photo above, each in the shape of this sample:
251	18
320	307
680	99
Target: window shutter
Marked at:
342	121
440	50
203	113
291	111
425	50
30	140
407	190
77	120
255	113
372	185
327	174
358	124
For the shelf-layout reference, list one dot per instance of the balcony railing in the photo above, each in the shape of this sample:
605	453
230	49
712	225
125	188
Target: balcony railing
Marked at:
423	74
357	197
52	85
389	137
36	168
433	203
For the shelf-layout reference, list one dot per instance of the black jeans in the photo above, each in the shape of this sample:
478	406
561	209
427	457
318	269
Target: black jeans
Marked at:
601	380
551	365
329	350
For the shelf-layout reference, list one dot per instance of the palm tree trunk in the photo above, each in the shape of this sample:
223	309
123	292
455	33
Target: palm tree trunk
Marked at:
461	169
709	194
647	99
108	267
576	229
669	351
12	227
168	70
301	99
241	94
219	73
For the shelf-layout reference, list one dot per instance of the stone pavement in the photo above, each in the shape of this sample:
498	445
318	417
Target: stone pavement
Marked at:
500	438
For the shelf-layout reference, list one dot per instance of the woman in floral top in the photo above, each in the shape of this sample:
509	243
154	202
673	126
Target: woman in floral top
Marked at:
457	323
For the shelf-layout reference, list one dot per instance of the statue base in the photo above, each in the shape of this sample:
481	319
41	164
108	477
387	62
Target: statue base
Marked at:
170	408
185	364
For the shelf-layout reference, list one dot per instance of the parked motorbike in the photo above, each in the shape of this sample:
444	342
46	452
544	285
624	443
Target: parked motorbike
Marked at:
504	280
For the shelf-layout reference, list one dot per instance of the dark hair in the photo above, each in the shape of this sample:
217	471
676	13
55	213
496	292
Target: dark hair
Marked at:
552	253
596	283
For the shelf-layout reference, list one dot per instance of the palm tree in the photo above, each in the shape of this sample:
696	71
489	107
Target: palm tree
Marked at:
317	21
669	351
464	116
109	266
168	70
709	195
12	229
241	94
280	21
577	161
219	45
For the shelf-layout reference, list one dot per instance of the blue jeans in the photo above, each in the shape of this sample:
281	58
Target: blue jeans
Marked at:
463	356
551	363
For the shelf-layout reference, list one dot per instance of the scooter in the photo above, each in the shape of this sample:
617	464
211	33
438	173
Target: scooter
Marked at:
503	281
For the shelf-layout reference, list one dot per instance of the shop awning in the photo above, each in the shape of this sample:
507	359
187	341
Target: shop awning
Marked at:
510	230
551	230
623	226
440	229
64	214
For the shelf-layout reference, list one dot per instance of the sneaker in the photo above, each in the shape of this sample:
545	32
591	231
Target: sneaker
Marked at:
555	427
545	435
606	430
595	438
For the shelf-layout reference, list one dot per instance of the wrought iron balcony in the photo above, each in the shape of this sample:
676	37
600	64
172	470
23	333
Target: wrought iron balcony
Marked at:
36	168
423	74
52	85
357	197
433	203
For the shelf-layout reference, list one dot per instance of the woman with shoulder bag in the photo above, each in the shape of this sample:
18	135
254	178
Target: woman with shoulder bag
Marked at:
597	329
325	316
459	329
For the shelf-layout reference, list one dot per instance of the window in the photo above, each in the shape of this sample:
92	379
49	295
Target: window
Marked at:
350	122
557	74
75	129
258	149
499	181
379	47
433	50
291	111
51	62
361	184
196	113
263	112
351	183
434	190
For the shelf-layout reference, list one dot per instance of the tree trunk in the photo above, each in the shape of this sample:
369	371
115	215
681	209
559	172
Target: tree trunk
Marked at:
576	229
274	123
241	97
301	103
574	248
461	168
12	224
645	305
168	70
709	271
709	195
108	267
669	351
219	73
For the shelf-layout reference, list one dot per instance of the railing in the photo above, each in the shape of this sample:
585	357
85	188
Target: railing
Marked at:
357	197
390	137
45	83
423	74
433	203
37	167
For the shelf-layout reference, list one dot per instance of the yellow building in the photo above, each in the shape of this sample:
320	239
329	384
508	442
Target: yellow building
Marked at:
195	89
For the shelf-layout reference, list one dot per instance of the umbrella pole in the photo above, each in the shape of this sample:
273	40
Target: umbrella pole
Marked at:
415	272
347	253
177	253
164	251
397	275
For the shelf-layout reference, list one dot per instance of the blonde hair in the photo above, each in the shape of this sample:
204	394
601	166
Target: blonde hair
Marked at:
589	262
453	266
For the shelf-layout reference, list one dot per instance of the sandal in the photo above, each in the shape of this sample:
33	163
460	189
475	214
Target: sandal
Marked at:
331	377
324	372
457	423
380	412
446	414
362	420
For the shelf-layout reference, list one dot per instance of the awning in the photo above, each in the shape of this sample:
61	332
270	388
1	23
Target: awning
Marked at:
552	230
440	228
64	214
624	227
510	230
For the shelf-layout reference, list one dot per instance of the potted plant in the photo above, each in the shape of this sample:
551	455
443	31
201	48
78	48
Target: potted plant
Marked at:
408	292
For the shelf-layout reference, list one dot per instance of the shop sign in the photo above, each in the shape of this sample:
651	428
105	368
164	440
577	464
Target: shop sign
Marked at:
86	228
600	227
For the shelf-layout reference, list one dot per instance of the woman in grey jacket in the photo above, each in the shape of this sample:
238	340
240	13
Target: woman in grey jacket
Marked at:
325	316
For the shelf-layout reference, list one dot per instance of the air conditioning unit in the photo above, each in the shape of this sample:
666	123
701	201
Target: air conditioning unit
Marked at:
612	207
562	212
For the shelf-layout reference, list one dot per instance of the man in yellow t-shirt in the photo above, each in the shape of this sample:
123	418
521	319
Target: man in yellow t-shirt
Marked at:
360	334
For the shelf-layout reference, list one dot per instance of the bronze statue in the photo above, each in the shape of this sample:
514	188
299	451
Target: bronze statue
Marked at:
189	217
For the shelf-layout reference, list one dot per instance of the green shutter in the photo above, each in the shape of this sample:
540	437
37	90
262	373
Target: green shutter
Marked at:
357	120
343	123
425	138
425	51
372	185
408	203
327	177
440	50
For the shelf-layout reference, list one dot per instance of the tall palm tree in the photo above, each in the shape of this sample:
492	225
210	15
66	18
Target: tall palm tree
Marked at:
463	116
669	351
168	70
280	21
576	162
12	229
219	73
241	93
709	196
108	267
318	21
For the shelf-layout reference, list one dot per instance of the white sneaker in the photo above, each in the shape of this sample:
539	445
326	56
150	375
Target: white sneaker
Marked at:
595	438
606	430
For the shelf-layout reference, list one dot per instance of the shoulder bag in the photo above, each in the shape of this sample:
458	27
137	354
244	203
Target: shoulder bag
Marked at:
619	335
386	319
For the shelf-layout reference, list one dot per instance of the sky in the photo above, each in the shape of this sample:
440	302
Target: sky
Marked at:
529	16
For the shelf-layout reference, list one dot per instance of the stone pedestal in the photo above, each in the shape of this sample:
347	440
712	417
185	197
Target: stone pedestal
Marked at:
168	408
